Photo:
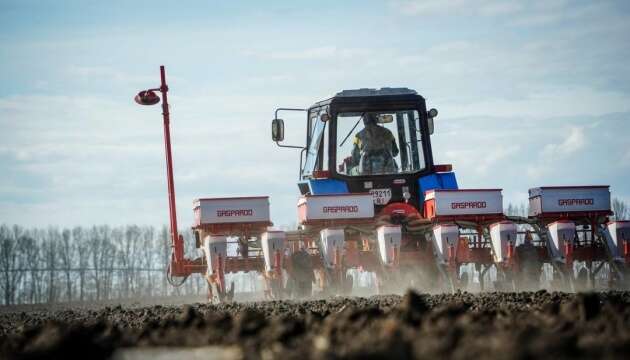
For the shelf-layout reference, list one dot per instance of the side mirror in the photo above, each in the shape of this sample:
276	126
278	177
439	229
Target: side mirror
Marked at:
430	115
277	130
430	125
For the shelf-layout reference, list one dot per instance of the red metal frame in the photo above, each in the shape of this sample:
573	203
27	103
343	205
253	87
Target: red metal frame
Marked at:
338	222
177	266
479	219
369	260
321	174
400	209
467	252
443	168
574	215
252	228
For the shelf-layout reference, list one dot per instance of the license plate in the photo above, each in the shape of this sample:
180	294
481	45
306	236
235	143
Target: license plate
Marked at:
381	196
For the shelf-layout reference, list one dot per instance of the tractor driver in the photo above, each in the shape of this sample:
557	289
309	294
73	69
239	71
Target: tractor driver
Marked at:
374	148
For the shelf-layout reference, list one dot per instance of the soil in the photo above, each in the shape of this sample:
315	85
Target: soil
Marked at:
458	326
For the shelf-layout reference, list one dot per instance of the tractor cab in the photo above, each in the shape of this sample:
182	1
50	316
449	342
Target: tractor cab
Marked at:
369	140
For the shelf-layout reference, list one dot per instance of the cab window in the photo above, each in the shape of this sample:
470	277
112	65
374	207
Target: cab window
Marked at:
315	148
379	143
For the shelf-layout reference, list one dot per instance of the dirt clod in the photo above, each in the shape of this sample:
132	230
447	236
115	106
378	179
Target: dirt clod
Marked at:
457	326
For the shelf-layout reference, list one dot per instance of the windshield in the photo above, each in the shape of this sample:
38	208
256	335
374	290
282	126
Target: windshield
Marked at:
379	143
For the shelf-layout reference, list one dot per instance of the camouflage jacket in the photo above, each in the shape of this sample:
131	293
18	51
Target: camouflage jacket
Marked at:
374	150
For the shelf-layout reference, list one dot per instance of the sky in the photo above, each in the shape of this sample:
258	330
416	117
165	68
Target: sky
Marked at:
532	93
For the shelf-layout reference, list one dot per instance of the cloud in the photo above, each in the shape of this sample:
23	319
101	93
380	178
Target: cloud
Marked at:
277	78
565	146
428	7
520	153
490	8
557	75
104	152
498	154
108	74
585	16
313	53
501	8
572	143
550	12
519	13
507	91
323	52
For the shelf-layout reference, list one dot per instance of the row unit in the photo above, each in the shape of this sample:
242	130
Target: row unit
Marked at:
562	235
331	245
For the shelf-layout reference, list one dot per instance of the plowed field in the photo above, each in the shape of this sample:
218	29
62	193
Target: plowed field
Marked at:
457	326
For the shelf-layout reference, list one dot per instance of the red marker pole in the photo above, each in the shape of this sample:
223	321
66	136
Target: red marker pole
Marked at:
176	241
148	97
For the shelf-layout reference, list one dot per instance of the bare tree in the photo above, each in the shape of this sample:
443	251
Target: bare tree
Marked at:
32	248
9	263
80	245
621	210
50	255
516	210
510	210
165	242
97	263
129	245
108	259
67	258
148	258
96	249
523	209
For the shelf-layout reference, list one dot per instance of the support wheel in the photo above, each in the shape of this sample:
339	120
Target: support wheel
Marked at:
581	282
301	277
303	289
277	289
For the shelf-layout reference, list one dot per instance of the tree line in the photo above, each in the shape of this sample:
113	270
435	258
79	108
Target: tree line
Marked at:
87	264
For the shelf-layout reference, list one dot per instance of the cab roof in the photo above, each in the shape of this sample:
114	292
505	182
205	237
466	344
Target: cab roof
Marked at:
370	94
376	92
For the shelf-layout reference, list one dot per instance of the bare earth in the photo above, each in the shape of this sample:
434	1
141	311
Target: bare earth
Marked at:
459	326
